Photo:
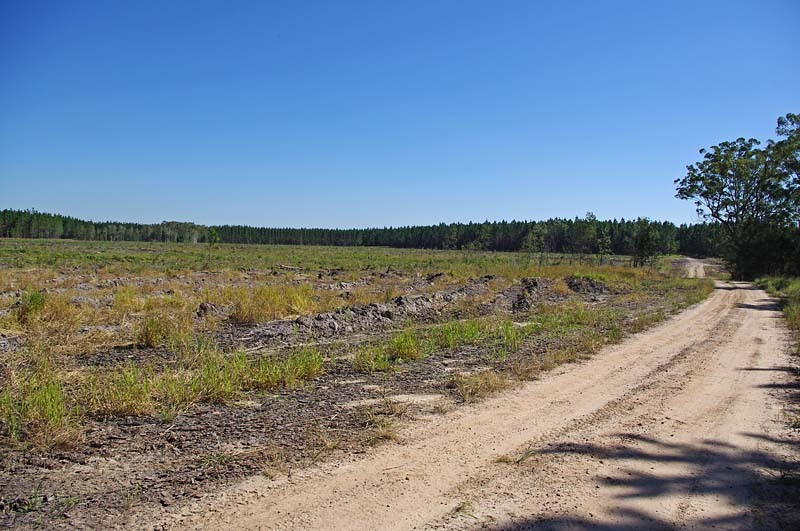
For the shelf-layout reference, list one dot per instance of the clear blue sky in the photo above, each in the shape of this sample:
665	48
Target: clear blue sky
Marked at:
373	113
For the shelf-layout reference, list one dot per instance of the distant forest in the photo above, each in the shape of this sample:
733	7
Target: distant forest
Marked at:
579	235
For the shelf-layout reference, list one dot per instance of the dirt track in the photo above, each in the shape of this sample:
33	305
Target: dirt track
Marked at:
680	426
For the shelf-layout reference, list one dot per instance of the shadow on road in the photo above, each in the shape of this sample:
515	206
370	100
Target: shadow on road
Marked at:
737	286
769	305
762	484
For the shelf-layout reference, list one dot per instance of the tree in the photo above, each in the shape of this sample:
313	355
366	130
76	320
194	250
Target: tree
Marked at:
754	193
645	242
213	237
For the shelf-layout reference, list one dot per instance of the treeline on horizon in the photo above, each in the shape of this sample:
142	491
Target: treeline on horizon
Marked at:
586	235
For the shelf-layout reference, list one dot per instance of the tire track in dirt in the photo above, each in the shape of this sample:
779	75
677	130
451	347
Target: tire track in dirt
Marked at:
650	432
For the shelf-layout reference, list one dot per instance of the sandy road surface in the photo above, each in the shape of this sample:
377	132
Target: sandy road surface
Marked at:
680	426
693	268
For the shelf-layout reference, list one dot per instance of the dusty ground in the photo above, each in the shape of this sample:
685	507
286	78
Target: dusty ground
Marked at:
119	468
681	426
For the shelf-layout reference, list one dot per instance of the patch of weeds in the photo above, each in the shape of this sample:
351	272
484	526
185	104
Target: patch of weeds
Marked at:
268	302
32	503
788	289
30	304
269	373
381	427
152	331
127	301
302	365
173	392
49	319
122	392
442	407
465	508
34	408
371	359
510	340
404	346
526	368
395	408
476	386
163	328
214	459
614	333
272	461
560	288
323	442
218	378
459	333
646	320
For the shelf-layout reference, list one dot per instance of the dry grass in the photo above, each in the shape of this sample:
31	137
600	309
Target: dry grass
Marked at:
40	407
34	407
381	428
77	298
479	385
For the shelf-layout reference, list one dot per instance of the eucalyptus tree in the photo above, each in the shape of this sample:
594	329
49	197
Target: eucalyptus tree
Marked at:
753	192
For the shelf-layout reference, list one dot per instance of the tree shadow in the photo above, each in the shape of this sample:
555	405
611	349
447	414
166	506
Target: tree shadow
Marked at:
770	305
737	287
781	368
762	484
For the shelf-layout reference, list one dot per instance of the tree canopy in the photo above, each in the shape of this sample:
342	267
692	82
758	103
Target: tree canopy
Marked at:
753	192
579	235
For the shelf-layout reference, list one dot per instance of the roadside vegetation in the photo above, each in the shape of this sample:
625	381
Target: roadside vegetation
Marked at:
788	289
752	195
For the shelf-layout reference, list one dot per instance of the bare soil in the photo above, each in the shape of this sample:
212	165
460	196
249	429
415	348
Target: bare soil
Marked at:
126	469
310	458
681	426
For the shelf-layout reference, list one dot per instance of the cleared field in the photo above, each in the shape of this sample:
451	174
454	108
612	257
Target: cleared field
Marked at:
137	376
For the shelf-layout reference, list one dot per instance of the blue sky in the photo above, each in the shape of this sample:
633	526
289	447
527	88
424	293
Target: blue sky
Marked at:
374	113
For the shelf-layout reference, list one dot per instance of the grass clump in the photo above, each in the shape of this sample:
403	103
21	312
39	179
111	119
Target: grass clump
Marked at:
163	328
269	373
268	302
30	305
403	346
218	378
122	392
371	359
646	320
48	319
381	427
458	333
127	301
34	408
476	386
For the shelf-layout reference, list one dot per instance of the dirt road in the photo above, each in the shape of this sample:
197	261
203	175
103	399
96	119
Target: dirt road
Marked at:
692	267
681	426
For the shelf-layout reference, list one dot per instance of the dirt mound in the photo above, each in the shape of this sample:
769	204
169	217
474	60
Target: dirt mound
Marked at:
519	297
9	343
586	285
359	317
